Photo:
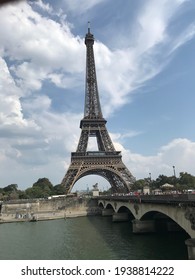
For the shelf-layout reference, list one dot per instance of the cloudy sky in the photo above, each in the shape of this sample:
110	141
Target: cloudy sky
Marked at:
145	63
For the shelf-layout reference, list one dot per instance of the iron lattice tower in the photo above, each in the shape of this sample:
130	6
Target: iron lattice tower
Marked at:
106	162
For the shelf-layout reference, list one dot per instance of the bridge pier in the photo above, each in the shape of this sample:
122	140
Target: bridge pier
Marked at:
120	217
107	212
143	226
191	248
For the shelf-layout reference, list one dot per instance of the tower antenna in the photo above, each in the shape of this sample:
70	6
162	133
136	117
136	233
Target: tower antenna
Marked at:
88	26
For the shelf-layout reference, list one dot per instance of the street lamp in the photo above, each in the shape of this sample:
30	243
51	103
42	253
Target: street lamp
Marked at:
174	171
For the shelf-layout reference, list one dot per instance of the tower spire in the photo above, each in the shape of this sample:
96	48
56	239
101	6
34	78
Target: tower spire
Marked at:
92	102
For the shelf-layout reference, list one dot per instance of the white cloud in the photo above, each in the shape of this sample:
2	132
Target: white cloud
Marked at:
38	153
184	37
11	116
44	6
40	103
120	72
43	55
83	7
179	153
153	22
40	46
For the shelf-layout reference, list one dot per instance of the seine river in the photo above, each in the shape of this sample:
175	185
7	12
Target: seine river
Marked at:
86	238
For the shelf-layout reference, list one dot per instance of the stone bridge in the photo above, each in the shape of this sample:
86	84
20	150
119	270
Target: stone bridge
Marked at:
152	213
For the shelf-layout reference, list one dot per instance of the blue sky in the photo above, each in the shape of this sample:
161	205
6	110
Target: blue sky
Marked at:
145	66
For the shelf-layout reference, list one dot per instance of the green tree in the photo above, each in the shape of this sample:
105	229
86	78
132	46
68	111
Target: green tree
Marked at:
161	180
186	180
22	194
43	182
10	192
139	184
58	190
10	188
40	189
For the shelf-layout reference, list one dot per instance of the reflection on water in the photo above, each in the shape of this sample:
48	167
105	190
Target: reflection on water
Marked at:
87	238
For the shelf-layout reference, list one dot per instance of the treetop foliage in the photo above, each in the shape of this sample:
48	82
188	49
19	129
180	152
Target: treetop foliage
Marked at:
43	188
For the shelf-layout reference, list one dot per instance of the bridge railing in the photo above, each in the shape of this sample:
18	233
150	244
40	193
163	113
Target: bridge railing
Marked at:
161	199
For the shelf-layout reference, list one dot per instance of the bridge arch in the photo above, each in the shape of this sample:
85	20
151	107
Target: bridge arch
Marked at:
109	206
171	212
125	209
101	205
162	222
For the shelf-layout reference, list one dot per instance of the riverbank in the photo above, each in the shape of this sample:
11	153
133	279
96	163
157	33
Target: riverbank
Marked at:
46	216
42	210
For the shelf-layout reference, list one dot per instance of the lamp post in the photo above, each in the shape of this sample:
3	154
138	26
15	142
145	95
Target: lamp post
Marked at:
174	171
174	175
150	183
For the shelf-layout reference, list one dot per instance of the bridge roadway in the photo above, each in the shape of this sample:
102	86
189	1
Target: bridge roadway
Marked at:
152	213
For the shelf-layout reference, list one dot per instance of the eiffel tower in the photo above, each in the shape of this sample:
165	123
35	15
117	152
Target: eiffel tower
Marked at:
106	162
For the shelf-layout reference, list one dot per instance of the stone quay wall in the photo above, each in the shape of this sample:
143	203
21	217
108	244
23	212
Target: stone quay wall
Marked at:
47	209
